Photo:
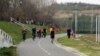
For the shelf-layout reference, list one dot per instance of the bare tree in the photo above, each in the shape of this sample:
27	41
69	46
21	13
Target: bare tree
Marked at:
41	11
4	6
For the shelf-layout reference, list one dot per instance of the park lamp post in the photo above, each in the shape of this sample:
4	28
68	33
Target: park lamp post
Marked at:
92	17
76	18
98	28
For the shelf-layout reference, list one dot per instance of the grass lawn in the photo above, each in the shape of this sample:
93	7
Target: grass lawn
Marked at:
83	46
90	37
13	30
8	51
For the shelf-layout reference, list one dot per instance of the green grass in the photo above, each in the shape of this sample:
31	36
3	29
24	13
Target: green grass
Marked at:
81	45
13	30
8	51
90	37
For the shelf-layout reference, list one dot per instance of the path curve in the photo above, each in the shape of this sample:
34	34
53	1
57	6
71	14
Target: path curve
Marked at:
42	47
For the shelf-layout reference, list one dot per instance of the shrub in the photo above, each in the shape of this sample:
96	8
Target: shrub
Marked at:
7	51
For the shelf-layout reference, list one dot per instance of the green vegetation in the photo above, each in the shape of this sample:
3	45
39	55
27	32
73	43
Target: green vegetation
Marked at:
13	30
8	51
90	49
90	38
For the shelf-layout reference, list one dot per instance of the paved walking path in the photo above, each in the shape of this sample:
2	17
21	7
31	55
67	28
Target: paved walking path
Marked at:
42	47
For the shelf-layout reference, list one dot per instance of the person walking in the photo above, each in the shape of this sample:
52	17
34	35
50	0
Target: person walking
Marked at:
52	34
24	32
33	33
68	33
44	32
17	20
39	33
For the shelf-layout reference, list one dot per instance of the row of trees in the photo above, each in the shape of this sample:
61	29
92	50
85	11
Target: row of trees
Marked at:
40	11
78	6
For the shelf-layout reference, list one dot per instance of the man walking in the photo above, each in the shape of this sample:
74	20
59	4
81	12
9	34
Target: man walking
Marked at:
44	32
24	32
68	33
33	33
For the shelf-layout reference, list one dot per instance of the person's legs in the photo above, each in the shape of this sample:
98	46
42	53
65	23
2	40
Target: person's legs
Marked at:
68	36
33	36
39	35
44	34
24	37
52	39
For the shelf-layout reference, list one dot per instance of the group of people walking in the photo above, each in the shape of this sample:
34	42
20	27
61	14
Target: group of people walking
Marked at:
40	33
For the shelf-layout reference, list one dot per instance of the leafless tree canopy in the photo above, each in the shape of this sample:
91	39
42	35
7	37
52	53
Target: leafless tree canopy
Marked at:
41	11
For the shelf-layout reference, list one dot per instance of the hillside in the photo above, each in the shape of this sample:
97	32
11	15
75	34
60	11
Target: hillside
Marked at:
67	10
78	6
13	30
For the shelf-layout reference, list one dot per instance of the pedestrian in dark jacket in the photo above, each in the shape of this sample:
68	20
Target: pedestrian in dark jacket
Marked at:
17	19
24	32
39	33
68	33
52	34
33	33
44	32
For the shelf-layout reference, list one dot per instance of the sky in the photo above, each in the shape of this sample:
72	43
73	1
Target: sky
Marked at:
82	1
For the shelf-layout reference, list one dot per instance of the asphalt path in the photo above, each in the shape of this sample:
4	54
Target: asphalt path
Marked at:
42	47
